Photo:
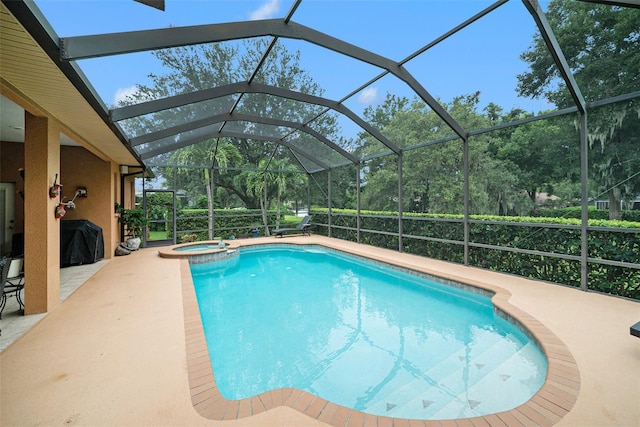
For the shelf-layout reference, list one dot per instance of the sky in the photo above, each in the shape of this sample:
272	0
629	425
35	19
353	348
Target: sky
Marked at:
483	57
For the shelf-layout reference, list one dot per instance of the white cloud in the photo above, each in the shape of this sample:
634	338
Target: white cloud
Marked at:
266	11
369	96
123	93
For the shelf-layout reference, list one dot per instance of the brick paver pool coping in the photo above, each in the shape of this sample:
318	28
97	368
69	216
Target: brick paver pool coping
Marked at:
547	407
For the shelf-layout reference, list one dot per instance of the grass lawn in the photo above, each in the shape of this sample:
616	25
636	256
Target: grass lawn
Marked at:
158	235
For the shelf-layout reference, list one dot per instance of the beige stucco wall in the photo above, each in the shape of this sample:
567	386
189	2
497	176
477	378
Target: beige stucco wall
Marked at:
80	168
12	158
115	225
42	157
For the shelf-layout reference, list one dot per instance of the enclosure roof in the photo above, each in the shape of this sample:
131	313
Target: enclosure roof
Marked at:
303	83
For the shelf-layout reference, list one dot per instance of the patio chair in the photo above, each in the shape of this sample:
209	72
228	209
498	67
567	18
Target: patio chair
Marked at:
304	227
4	272
12	281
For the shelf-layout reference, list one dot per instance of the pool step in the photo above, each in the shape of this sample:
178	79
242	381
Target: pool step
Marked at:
507	377
424	397
431	374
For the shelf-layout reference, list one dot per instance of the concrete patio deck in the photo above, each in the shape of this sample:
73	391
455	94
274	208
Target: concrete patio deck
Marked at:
113	353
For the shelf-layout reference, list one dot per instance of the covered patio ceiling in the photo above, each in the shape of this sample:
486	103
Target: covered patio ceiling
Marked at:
292	119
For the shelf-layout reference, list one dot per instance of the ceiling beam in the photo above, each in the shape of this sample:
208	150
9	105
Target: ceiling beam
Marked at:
156	4
622	3
219	118
199	138
556	53
244	87
92	46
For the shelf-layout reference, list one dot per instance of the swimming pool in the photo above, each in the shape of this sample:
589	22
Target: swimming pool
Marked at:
377	340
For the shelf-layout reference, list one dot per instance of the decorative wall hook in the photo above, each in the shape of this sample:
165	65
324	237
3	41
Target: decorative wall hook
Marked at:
71	204
80	192
54	191
60	212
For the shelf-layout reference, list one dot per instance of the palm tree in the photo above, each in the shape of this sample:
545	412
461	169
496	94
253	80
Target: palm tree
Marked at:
213	151
274	172
257	185
282	179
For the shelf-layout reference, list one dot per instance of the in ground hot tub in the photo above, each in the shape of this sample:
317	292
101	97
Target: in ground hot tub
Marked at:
199	252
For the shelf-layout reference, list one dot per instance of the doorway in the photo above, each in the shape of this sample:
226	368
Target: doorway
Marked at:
7	216
160	208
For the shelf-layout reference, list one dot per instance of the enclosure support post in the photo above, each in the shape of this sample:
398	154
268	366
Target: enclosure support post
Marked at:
175	211
122	181
584	195
560	61
308	194
144	208
329	201
212	204
400	199
266	207
358	224
465	162
174	222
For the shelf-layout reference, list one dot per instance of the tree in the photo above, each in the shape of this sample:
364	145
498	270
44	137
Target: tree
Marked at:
602	46
381	115
257	184
276	174
159	207
543	152
433	175
343	187
282	178
192	68
213	152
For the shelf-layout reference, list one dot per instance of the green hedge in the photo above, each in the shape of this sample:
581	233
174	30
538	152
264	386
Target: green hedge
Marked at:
576	212
494	230
227	222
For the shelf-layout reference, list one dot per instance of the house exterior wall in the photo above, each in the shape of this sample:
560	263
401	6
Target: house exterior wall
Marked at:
624	205
42	157
11	159
115	225
80	168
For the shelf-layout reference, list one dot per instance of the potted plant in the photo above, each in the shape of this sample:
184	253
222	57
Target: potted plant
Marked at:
134	221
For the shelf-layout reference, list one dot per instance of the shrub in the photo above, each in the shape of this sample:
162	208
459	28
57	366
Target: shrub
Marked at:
227	222
607	240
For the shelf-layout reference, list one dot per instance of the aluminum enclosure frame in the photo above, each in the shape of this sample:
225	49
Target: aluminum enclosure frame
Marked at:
71	49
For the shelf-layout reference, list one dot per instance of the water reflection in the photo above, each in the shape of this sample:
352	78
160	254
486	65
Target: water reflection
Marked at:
359	336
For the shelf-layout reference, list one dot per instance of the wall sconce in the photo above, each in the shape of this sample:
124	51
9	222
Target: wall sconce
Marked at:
124	169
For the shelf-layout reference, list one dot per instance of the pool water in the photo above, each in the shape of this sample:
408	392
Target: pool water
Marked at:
360	335
195	248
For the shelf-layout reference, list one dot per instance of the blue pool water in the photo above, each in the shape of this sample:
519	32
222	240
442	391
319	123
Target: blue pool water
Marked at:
196	248
360	335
